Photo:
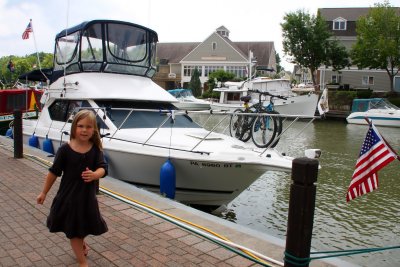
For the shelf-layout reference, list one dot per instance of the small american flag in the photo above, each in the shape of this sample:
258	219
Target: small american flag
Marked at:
25	34
374	155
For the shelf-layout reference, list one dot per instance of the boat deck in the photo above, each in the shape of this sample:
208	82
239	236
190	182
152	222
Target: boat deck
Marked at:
137	236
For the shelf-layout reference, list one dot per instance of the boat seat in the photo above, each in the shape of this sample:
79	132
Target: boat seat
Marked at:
245	98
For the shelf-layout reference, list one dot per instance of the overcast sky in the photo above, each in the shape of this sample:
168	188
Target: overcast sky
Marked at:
173	20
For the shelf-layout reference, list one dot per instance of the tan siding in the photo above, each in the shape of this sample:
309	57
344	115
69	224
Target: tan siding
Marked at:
223	50
354	79
176	68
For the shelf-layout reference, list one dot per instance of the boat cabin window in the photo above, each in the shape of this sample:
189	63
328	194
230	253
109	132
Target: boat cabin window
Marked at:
15	101
67	51
92	49
145	115
62	110
233	96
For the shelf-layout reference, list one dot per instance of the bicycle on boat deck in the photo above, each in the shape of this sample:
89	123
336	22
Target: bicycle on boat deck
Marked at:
261	127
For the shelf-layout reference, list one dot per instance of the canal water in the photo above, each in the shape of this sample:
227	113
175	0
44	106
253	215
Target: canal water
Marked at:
369	221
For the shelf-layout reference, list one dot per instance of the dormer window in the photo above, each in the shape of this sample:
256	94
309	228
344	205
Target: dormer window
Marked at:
214	46
339	24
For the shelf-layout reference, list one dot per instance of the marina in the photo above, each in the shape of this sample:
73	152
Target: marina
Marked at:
194	183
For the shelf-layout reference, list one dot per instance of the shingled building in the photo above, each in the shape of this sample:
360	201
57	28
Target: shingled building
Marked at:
177	61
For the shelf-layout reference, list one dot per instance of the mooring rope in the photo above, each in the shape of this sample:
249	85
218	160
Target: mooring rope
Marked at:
333	253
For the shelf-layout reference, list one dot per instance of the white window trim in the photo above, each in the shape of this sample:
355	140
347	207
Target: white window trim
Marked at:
340	19
367	83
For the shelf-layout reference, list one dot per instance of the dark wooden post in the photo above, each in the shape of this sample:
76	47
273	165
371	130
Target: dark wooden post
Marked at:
301	211
18	151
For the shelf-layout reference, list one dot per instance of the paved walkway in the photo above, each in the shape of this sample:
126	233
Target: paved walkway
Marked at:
135	237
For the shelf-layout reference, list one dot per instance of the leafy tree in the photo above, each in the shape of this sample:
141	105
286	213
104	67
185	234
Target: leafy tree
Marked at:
195	83
22	65
308	41
279	68
219	76
378	41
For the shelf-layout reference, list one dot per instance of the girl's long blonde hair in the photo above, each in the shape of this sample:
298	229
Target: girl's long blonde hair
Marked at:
82	114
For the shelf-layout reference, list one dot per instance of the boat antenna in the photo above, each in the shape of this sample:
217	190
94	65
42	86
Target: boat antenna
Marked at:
66	35
170	136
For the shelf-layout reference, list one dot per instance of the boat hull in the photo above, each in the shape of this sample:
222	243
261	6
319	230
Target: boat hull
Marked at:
201	178
379	118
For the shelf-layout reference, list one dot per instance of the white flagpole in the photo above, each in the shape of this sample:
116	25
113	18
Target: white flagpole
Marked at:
37	53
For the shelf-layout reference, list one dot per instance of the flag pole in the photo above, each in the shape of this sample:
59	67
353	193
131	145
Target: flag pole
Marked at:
37	53
384	140
368	120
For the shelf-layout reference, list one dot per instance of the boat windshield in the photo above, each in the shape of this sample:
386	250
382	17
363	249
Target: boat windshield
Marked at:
181	93
382	104
106	46
144	115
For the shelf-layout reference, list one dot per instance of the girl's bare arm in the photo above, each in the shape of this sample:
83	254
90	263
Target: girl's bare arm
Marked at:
89	175
50	179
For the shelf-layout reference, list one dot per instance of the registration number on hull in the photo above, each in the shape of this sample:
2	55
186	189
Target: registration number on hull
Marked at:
215	165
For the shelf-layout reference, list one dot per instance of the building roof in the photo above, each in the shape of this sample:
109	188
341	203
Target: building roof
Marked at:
175	52
350	14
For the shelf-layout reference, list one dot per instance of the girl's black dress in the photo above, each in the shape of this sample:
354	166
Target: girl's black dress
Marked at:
75	210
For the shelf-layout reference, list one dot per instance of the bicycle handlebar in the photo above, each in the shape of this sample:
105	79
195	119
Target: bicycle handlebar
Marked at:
267	93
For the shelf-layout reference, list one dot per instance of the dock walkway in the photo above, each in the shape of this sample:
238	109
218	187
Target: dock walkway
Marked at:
136	236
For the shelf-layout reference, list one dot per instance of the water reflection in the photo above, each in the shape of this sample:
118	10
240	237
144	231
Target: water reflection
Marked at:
368	221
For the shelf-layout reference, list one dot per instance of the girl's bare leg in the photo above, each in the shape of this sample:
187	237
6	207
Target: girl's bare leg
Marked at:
85	248
77	247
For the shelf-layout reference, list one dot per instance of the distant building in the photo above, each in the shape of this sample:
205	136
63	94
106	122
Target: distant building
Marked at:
177	61
342	24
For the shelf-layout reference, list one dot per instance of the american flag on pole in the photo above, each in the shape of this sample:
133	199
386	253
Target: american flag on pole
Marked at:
375	154
29	29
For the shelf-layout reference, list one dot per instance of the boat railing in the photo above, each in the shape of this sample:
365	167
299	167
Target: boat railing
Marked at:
105	113
294	119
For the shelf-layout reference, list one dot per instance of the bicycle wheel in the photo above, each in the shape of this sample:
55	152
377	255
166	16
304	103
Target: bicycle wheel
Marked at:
239	126
246	128
236	123
263	129
279	126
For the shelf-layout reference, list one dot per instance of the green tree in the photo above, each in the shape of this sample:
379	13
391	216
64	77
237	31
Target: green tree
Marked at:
219	76
195	83
307	40
279	68
378	41
22	65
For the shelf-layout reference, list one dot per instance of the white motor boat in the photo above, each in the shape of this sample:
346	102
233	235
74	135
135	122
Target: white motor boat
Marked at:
107	66
187	101
300	105
379	110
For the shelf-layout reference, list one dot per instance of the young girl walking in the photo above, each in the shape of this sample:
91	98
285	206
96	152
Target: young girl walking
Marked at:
75	210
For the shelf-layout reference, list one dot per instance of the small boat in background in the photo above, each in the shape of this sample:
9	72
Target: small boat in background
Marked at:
188	101
25	99
379	110
302	105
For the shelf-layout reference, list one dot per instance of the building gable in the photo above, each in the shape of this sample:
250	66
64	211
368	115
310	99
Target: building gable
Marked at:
215	48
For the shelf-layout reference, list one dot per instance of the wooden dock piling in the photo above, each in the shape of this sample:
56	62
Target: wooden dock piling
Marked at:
17	135
301	212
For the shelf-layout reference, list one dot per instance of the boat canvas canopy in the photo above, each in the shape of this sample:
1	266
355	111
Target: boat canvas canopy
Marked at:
362	105
105	46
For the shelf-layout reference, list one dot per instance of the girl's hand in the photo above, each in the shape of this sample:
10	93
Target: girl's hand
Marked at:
40	198
88	175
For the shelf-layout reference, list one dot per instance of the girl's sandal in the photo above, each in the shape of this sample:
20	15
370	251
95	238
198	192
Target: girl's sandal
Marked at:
85	249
